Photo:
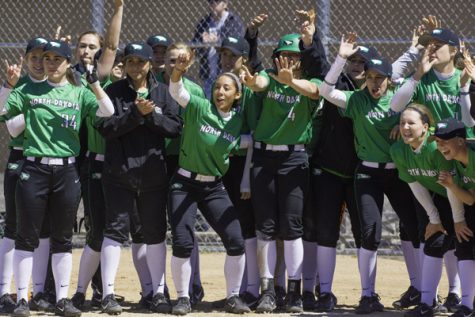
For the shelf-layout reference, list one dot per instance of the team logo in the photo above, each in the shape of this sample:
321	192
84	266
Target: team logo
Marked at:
363	49
176	186
12	166
41	40
316	171
286	42
362	176
437	31
24	176
158	110
441	125
96	175
161	38
137	46
377	61
55	44
232	40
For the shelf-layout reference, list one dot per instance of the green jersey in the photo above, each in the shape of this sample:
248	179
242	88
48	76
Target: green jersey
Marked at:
373	121
286	116
208	139
423	166
466	174
17	142
53	116
172	146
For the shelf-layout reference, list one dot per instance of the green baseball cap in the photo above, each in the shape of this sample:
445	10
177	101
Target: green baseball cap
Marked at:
289	42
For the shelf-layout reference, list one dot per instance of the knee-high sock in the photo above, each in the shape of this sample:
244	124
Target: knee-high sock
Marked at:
139	257
411	261
233	271
418	262
22	267
252	270
431	273
451	268
88	265
7	248
467	282
40	266
62	264
181	273
309	266
266	258
326	262
293	251
367	265
195	265
156	260
110	259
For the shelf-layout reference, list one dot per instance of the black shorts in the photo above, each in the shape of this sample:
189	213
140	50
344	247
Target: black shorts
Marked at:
465	250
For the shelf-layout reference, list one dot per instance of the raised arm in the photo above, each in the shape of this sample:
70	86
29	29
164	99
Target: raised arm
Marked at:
255	82
251	35
401	65
111	43
106	108
176	88
465	100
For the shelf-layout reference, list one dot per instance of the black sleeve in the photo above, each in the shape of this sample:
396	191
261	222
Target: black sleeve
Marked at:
254	59
165	120
472	99
314	59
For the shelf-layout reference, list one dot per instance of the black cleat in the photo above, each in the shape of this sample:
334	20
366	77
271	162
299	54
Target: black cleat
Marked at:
21	309
7	304
235	305
452	302
280	297
65	307
182	306
110	305
411	297
326	302
266	303
160	304
421	310
96	300
78	300
250	300
309	301
40	303
369	304
197	294
146	301
463	311
293	299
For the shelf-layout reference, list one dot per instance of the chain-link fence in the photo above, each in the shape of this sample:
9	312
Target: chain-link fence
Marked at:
385	24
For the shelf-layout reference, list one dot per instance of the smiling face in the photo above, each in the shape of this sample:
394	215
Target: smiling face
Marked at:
137	68
225	93
87	47
441	52
451	148
159	57
377	83
34	64
412	128
55	67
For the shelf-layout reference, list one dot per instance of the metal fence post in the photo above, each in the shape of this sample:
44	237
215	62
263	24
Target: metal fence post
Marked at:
323	21
97	15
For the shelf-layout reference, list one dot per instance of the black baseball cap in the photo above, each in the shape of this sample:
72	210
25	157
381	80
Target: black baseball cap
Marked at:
159	40
449	128
442	35
138	49
60	48
380	65
37	42
238	45
366	52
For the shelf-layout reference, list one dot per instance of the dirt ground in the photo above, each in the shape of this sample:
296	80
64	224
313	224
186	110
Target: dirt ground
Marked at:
391	282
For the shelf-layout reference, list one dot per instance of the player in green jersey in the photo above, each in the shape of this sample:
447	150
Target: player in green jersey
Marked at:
211	131
419	164
159	43
279	159
54	111
450	137
16	126
376	174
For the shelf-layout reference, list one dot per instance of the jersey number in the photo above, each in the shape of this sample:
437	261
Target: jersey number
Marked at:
69	121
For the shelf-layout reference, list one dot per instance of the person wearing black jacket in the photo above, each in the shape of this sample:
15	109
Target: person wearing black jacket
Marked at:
135	172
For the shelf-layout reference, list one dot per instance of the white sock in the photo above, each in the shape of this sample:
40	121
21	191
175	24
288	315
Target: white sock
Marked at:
467	282
266	258
88	265
326	267
7	248
233	271
309	266
40	266
410	260
139	257
367	265
181	273
22	267
293	252
451	268
62	264
110	259
417	261
431	273
251	266
156	260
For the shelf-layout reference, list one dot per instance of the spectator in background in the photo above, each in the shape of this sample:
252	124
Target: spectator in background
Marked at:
219	24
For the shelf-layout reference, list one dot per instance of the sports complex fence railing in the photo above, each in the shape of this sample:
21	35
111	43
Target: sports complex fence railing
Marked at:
385	24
